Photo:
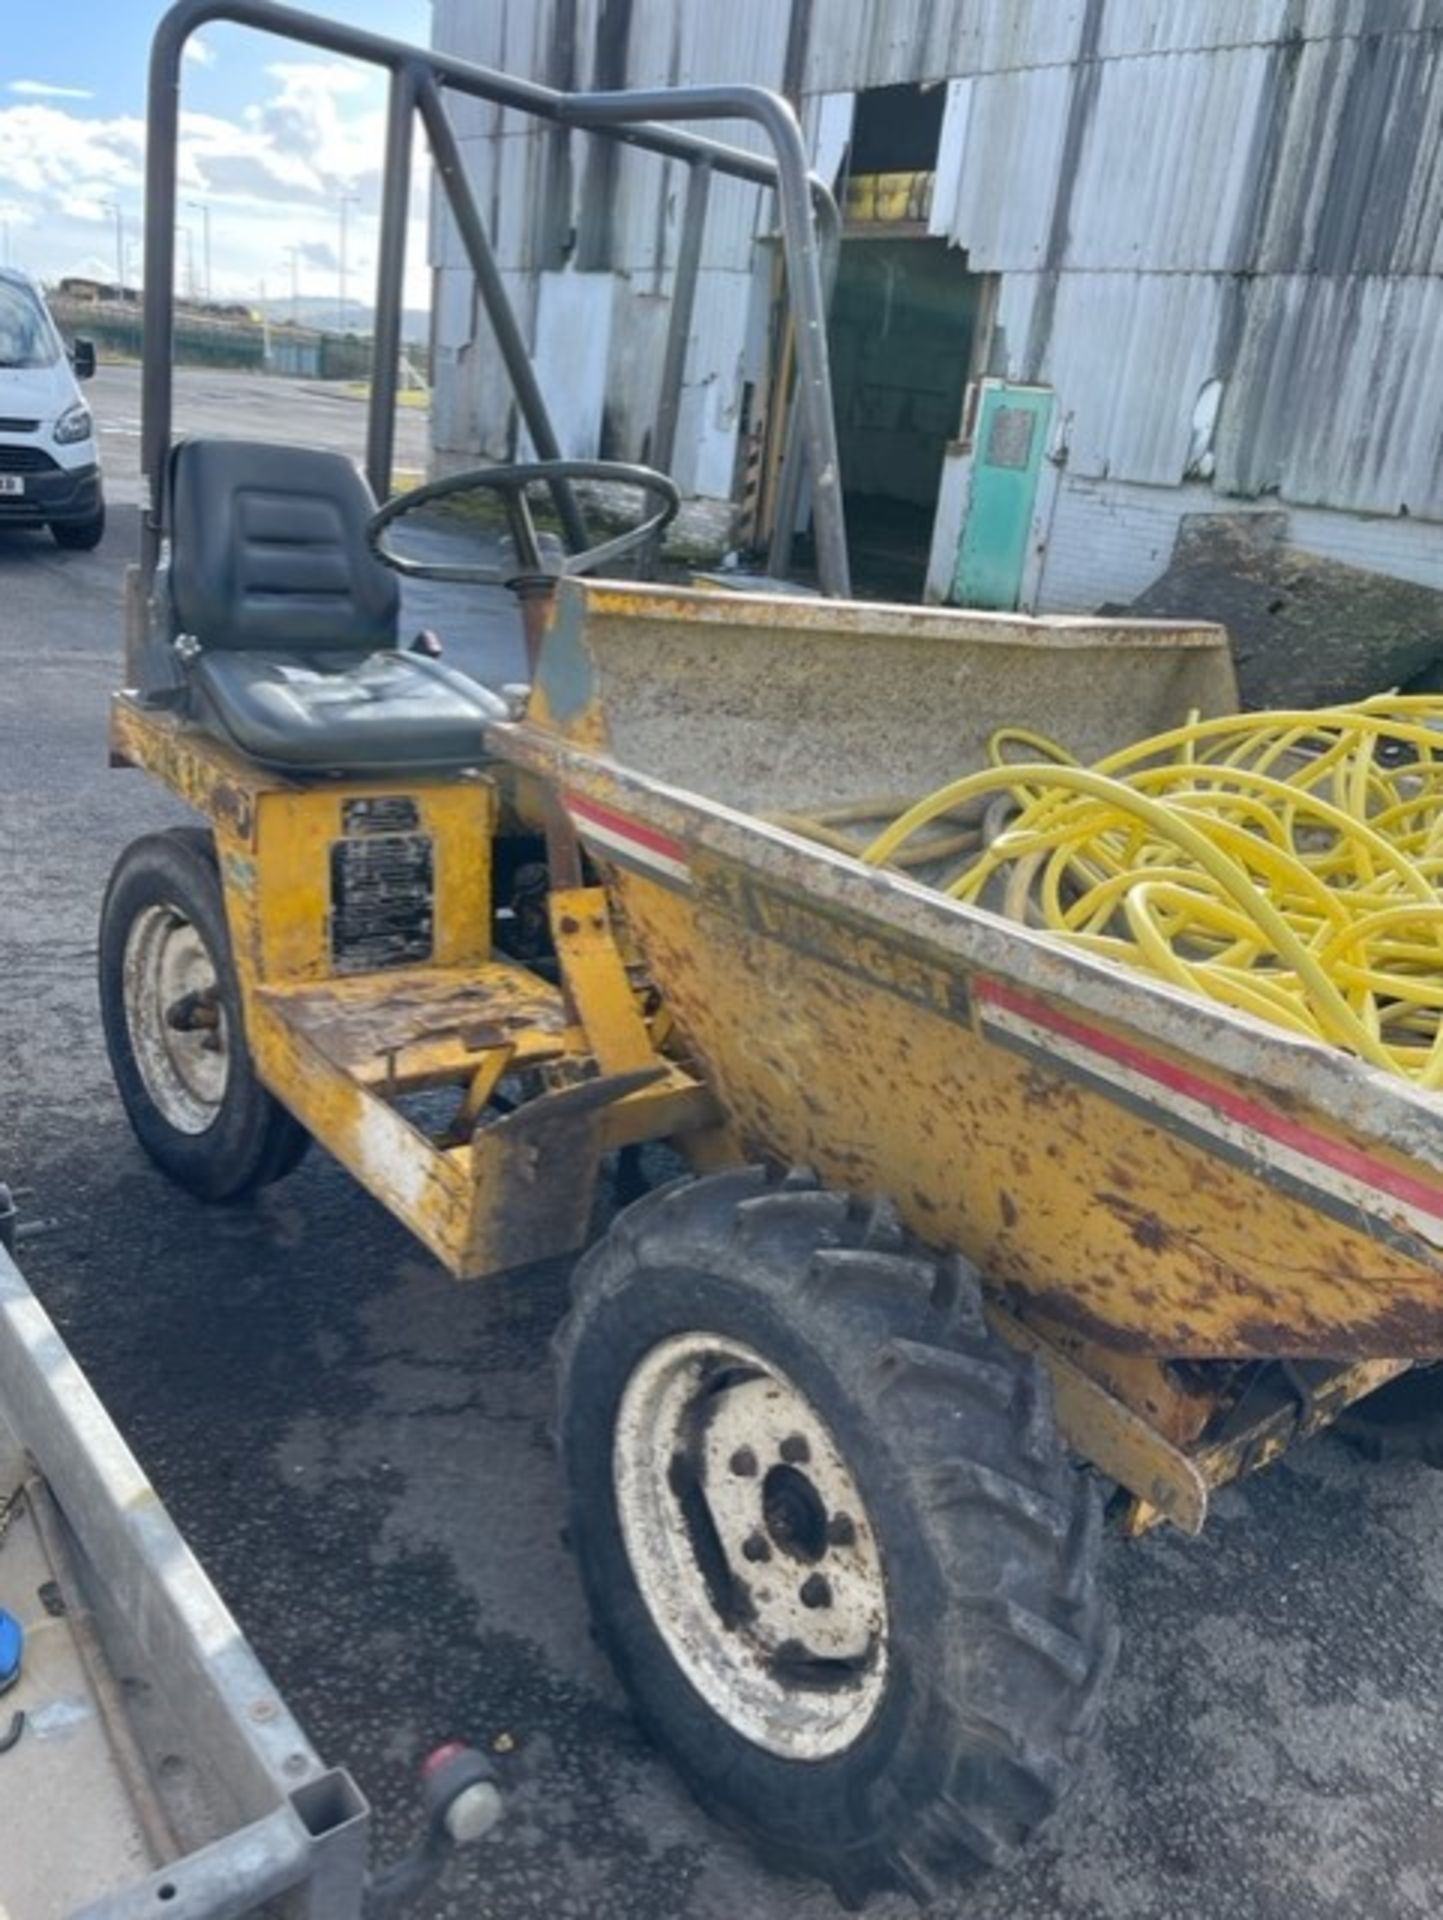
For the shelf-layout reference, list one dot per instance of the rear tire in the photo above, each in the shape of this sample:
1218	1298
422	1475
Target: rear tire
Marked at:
79	536
785	1354
174	1025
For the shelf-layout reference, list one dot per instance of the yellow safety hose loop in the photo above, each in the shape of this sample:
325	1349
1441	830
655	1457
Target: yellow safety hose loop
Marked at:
1287	864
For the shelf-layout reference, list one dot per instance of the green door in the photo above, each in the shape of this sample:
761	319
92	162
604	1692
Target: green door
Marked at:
1011	439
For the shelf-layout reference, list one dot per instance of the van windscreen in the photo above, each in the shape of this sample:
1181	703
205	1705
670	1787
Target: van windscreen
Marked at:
27	338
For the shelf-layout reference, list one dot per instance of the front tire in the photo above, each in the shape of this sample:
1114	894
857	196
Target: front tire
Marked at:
174	1024
80	536
828	1533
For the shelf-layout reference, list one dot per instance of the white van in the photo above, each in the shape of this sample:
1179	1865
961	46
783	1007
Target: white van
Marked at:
49	460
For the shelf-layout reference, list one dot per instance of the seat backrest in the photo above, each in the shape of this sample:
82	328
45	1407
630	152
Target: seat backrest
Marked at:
268	550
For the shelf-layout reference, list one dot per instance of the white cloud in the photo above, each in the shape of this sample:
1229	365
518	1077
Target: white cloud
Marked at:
271	175
47	155
199	51
321	76
43	90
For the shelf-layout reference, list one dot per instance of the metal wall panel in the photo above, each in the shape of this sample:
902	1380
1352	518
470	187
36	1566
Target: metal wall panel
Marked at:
1171	191
633	377
1002	137
711	397
880	43
1337	395
1358	185
1130	27
1128	354
1167	156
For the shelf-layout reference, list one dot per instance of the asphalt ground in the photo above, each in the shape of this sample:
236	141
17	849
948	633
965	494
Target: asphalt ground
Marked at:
244	406
357	1447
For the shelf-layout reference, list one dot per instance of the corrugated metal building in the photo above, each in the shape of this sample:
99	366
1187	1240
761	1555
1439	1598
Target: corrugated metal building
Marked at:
1126	260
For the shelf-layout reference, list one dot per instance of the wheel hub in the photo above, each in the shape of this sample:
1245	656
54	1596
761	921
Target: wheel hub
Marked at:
175	1019
751	1545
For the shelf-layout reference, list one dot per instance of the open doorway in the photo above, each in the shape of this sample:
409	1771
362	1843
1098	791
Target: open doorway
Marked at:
902	325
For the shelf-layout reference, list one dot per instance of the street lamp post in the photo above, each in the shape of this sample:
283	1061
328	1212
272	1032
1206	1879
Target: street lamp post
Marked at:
294	254
348	199
114	207
202	207
182	227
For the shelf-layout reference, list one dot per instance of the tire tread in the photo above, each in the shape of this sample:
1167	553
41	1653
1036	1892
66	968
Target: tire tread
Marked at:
989	1476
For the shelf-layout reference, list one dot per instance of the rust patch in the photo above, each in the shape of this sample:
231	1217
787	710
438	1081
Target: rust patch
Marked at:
1041	1090
233	804
1150	1233
1403	1329
354	1027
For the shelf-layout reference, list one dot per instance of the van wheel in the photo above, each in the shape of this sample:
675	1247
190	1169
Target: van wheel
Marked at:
828	1533
79	536
174	1028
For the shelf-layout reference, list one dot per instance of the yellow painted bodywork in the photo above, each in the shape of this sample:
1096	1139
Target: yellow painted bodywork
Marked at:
341	1049
863	1058
1200	1306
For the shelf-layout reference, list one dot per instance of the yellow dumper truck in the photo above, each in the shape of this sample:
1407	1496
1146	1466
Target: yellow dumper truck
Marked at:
977	1226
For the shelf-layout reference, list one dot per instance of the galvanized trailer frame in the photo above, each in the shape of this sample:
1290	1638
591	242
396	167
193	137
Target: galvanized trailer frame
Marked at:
302	1834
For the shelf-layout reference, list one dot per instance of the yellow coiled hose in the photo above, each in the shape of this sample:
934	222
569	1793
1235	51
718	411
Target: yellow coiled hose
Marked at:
1286	864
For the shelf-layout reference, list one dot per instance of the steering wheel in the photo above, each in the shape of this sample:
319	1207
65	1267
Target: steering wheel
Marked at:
511	483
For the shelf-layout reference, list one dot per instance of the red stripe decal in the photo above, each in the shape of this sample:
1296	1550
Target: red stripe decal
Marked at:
1316	1146
628	829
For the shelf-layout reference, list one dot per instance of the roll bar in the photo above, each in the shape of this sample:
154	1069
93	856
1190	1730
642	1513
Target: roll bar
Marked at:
810	224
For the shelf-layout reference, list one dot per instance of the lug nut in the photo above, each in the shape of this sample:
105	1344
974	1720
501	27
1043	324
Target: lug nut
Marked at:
841	1531
795	1450
744	1462
816	1591
755	1547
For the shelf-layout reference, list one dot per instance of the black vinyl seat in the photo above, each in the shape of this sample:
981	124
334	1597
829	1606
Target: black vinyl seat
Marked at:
289	621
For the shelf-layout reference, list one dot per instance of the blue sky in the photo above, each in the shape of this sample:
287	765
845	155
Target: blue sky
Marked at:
273	135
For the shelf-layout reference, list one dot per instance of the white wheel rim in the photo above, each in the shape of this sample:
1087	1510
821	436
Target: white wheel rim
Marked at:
750	1545
174	1017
